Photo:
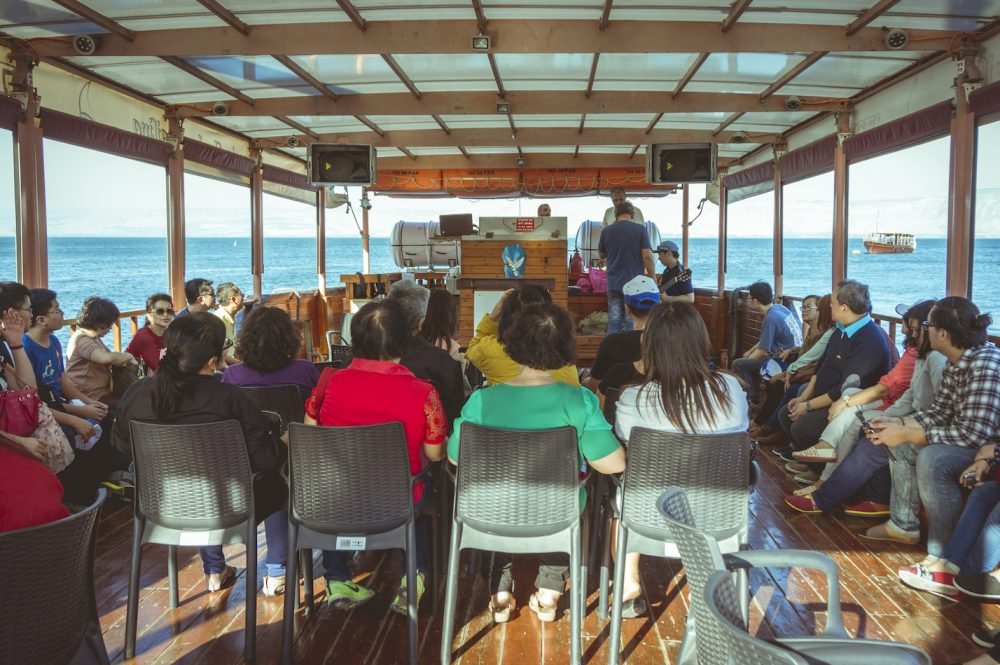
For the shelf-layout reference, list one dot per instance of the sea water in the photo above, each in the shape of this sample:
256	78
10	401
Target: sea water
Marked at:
127	270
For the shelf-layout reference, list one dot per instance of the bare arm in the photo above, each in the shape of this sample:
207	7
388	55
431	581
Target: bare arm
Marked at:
13	334
611	463
434	451
102	357
647	261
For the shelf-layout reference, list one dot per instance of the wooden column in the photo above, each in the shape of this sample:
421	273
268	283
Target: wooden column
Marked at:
31	227
723	230
779	232
257	230
366	259
961	177
321	255
839	249
176	248
685	221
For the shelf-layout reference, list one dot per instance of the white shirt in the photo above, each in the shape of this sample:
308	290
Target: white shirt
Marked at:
609	216
646	410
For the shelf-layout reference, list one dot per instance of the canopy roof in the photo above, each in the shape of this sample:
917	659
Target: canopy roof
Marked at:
585	82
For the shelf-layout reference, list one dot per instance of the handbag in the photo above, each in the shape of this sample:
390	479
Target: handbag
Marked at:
58	452
18	407
123	376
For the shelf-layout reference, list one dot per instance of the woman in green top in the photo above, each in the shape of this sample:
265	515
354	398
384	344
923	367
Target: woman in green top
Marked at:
540	340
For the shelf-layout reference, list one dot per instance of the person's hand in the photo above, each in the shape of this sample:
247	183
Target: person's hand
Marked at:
13	327
495	314
126	358
835	409
93	410
32	446
781	376
978	470
785	355
798	409
82	427
886	433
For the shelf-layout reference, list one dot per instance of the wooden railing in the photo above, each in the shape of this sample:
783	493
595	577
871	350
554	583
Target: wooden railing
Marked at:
131	316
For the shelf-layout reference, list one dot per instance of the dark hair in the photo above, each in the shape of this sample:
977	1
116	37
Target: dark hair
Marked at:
528	294
379	331
854	295
441	320
97	312
676	352
541	337
268	340
918	313
190	342
761	292
624	208
194	288
12	294
41	303
157	297
961	319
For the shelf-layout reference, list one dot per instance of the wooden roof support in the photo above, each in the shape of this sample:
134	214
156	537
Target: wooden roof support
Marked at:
593	73
735	12
689	74
370	125
513	127
725	123
652	123
464	152
297	126
634	150
869	15
398	71
98	18
576	152
299	71
441	123
508	161
605	15
352	12
496	77
406	152
808	62
477	6
226	15
583	120
510	36
184	65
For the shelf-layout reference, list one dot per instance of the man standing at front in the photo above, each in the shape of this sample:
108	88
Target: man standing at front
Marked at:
610	215
626	249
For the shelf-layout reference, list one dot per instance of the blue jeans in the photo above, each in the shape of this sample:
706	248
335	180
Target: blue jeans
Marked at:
905	504
276	534
618	320
975	545
747	369
867	467
938	469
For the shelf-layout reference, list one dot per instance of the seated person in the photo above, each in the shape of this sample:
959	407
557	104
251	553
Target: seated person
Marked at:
230	302
15	319
486	349
779	331
375	388
200	296
88	359
147	344
30	494
184	391
541	340
268	348
678	290
625	347
440	325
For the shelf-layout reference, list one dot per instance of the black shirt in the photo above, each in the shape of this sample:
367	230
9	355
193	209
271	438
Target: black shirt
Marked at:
681	288
617	348
619	376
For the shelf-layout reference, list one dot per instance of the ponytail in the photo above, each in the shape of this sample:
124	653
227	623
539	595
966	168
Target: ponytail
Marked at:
190	342
984	321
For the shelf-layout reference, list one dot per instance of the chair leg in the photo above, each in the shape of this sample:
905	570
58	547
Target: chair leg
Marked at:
291	594
577	594
250	639
436	554
615	640
451	594
597	515
602	604
743	593
411	589
94	641
132	611
172	576
688	654
307	575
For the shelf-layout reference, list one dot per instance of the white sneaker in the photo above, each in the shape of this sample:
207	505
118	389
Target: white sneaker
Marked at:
217	581
274	586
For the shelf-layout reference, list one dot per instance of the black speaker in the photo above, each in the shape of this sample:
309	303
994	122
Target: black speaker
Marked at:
455	225
338	164
680	163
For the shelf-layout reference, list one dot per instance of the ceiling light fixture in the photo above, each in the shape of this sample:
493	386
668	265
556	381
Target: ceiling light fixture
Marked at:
503	107
481	42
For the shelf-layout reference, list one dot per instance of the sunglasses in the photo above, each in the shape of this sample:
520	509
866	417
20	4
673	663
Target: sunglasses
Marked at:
163	311
927	325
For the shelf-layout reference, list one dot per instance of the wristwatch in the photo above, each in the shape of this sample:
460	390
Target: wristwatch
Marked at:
847	400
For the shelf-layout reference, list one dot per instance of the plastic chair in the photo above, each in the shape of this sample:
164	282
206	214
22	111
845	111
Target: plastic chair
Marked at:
715	469
62	554
194	486
339	499
517	491
720	610
475	377
284	400
600	507
611	404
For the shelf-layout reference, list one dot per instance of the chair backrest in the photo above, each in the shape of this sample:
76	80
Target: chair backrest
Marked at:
58	556
351	480
518	482
611	404
475	377
338	352
284	399
713	468
192	477
723	611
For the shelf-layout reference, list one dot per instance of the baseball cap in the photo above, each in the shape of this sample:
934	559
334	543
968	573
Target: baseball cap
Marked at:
902	308
641	293
668	244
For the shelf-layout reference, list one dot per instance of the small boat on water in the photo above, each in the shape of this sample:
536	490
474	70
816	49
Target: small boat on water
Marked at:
890	243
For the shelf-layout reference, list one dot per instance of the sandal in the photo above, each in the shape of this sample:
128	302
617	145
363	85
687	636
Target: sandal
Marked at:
546	613
633	608
501	613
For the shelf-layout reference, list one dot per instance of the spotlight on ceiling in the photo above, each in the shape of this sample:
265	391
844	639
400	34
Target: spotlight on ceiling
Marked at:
521	162
793	103
481	42
503	107
896	39
85	44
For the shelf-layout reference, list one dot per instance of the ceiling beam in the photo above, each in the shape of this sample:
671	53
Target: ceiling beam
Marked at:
301	72
583	120
226	15
513	127
370	125
508	161
735	12
526	137
442	124
870	15
398	71
521	102
593	74
509	36
635	149
352	13
808	62
725	123
477	6
652	123
496	77
98	18
298	127
605	15
406	152
689	74
201	75
465	152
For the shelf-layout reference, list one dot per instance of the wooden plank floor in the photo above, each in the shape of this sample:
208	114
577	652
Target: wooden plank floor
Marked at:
208	628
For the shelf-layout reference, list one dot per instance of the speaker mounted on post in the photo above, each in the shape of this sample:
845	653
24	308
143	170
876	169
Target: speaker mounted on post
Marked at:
681	163
340	164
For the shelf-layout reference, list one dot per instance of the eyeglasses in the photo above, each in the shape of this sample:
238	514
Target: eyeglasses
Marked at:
927	325
163	311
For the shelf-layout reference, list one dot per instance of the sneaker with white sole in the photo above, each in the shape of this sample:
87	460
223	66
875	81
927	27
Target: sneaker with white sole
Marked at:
219	581
399	603
919	576
796	467
347	595
807	478
274	585
816	454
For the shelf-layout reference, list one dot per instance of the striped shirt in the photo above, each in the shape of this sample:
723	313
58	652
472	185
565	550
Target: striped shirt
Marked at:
966	409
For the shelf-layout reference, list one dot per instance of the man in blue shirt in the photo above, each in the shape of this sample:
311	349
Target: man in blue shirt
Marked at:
626	249
779	332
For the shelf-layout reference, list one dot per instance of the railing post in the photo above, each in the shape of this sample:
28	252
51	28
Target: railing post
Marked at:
961	175
31	225
175	212
321	264
839	248
366	259
779	231
685	217
257	226
723	230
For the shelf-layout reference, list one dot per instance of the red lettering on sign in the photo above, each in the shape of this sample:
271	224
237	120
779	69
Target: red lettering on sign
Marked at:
524	224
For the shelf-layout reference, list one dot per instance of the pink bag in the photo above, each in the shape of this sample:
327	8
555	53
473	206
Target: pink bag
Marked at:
598	280
584	283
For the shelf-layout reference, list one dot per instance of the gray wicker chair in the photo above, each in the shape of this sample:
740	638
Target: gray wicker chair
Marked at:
719	609
336	492
475	377
517	491
62	554
601	509
338	352
714	468
284	400
194	486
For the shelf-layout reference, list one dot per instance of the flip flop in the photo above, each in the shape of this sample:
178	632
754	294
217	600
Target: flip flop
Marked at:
634	608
